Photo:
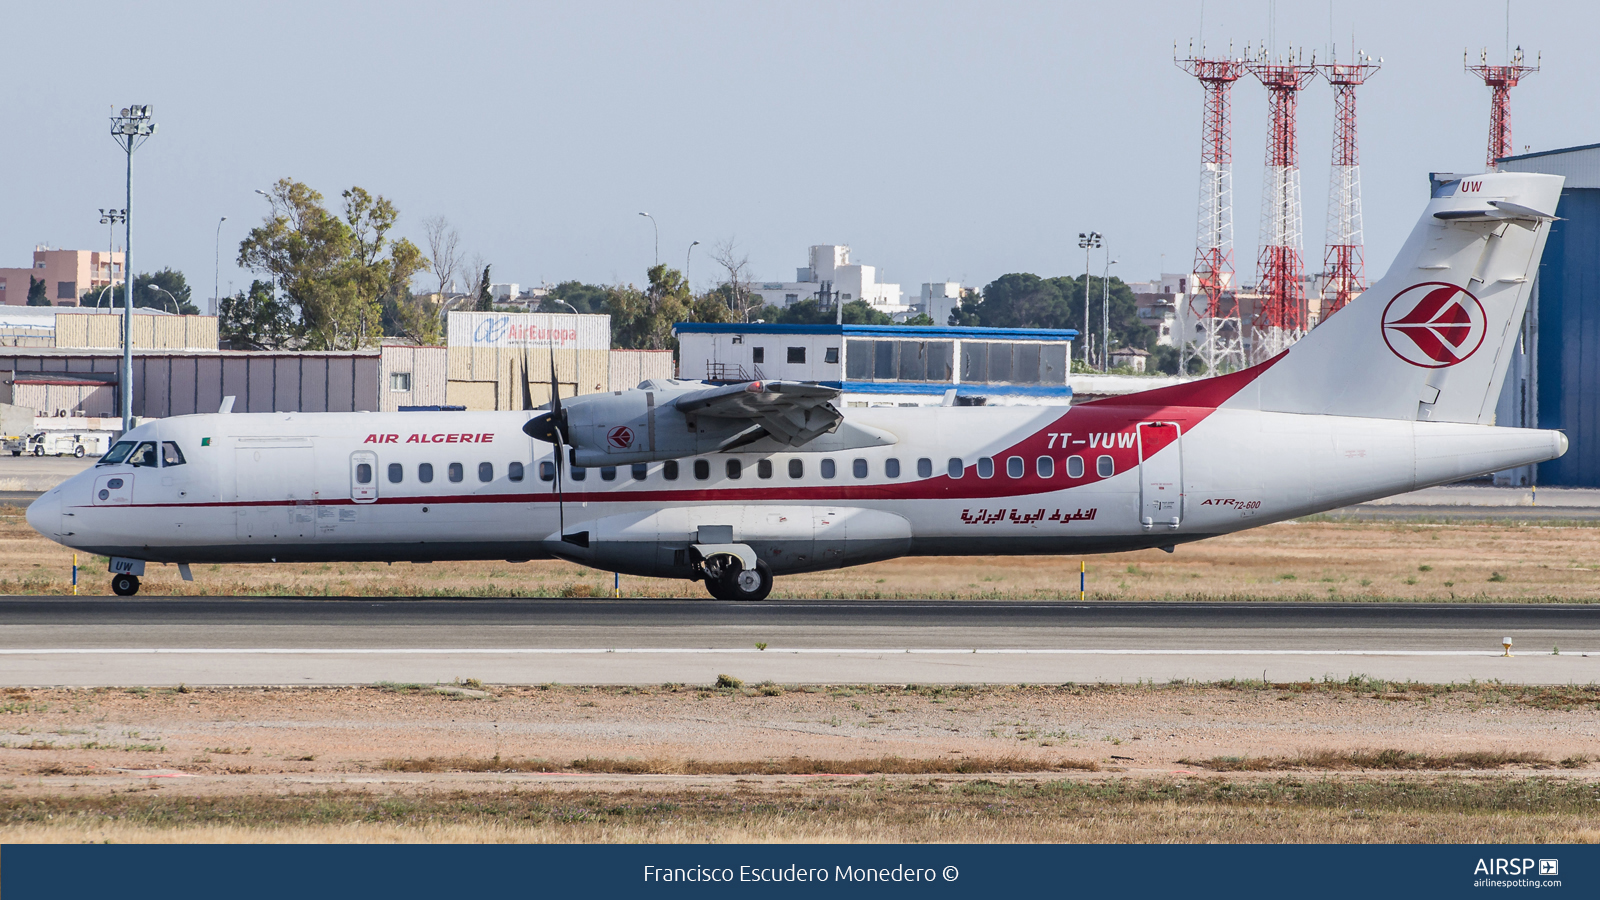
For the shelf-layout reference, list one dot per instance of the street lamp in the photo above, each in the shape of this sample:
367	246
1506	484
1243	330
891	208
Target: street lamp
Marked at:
111	218
216	272
130	129
686	257
175	307
657	232
1105	314
577	383
268	198
1088	240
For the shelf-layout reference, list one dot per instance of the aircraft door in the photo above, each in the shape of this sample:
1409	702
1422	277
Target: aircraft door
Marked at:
275	489
364	476
1160	476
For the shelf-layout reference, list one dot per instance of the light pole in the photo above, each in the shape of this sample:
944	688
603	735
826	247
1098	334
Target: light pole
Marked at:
130	129
577	383
657	233
175	307
686	257
1088	240
216	272
111	218
268	197
1105	314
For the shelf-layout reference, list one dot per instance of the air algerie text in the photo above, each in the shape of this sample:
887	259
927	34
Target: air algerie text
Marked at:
430	439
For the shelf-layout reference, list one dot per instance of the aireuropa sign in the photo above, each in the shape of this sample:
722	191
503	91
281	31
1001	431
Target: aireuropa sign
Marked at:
530	330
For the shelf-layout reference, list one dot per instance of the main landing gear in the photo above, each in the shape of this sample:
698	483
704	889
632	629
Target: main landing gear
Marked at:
124	585
731	582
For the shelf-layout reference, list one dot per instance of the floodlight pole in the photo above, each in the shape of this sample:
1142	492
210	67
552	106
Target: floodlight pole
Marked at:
130	130
111	218
216	270
1089	240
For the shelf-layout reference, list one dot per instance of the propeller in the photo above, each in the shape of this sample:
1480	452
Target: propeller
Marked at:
550	428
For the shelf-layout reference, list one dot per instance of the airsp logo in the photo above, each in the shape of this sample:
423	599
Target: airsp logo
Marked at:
620	437
1434	325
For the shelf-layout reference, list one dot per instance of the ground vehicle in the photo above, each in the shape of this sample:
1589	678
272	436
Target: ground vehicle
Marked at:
62	443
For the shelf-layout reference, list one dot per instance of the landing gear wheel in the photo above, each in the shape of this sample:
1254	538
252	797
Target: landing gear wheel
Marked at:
742	585
78	451
124	585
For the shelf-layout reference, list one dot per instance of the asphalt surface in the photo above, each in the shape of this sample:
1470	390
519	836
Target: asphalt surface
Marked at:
155	641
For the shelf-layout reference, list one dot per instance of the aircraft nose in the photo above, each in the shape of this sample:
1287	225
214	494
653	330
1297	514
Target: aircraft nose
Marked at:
44	514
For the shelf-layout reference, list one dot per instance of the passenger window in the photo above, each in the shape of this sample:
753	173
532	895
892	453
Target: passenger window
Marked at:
578	473
608	473
117	453
456	473
425	472
924	468
486	472
955	468
363	473
797	469
985	467
764	468
514	471
145	455
397	472
1045	466
827	468
858	468
702	469
734	468
1013	467
669	470
170	454
640	470
1104	467
547	471
891	467
1074	467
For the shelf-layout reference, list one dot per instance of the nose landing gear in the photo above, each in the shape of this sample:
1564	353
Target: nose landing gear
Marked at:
124	585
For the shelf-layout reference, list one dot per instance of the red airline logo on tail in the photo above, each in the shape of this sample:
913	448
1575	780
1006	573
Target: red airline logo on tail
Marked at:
1434	325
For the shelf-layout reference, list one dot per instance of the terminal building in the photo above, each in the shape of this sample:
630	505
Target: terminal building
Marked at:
887	365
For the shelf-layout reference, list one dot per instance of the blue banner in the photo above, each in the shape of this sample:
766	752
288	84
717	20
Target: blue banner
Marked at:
177	872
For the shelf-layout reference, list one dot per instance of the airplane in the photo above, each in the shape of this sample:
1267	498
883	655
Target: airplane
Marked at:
736	484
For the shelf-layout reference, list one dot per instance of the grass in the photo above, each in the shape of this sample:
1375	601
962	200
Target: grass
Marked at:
794	765
1289	809
1392	760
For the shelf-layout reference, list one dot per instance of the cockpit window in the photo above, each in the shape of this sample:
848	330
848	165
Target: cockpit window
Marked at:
170	454
117	454
144	454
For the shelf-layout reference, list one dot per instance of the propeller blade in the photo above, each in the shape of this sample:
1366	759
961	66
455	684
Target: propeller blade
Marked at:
527	392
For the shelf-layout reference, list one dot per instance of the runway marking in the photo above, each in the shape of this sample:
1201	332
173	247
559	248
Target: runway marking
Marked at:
531	651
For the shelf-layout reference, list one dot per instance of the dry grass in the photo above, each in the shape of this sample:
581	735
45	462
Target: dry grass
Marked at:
794	765
1391	759
1288	810
1287	561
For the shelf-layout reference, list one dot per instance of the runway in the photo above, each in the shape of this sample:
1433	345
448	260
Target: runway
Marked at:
157	641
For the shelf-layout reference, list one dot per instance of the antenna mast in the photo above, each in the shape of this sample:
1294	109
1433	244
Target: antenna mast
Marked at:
1500	79
1343	259
1280	317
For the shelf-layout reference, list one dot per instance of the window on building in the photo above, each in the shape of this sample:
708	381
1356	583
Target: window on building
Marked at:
884	355
831	356
1014	467
891	468
66	290
640	471
1074	467
790	299
924	468
738	339
425	472
397	473
702	469
955	469
846	297
400	382
1045	466
858	468
797	469
514	471
608	473
1105	467
985	467
669	470
456	472
827	468
734	468
758	355
797	355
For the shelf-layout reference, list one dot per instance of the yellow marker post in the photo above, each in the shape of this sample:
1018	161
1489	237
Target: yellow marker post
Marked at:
1506	643
1083	571
74	574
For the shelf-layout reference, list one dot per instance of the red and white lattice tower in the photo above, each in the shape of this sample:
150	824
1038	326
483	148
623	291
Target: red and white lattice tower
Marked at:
1500	79
1342	260
1209	327
1280	317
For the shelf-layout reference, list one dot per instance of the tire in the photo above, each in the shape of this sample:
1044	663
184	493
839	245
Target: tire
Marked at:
124	585
38	449
78	451
16	453
743	586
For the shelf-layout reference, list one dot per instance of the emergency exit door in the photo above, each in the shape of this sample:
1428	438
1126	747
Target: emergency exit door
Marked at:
1160	476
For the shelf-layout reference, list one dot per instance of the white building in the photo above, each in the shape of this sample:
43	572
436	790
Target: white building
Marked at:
830	271
939	299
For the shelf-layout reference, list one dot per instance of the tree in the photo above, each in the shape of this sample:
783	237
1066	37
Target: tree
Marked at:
585	298
728	255
174	288
485	298
257	320
921	320
36	292
1023	300
336	272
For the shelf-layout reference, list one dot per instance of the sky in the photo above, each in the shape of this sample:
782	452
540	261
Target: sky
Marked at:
941	141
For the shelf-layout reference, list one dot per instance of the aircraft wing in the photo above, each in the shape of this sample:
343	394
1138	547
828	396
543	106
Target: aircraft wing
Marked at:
790	412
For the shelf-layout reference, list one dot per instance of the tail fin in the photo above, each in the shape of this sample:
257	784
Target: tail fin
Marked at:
1431	340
